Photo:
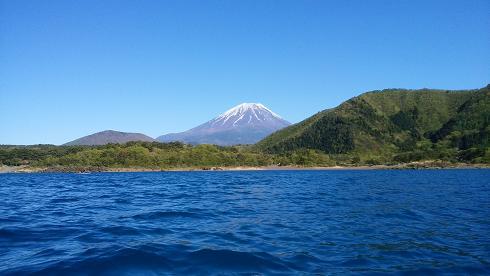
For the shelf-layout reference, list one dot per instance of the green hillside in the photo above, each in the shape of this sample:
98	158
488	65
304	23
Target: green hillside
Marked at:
396	124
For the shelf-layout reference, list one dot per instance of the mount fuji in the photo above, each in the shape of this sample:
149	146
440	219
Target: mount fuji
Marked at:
246	123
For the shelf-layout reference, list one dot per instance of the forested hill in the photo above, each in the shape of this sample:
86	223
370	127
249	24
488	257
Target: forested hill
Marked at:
400	123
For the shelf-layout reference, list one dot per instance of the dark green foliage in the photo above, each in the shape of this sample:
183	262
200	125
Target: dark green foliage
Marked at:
19	155
406	120
340	137
406	144
470	126
155	156
405	157
132	154
393	124
471	154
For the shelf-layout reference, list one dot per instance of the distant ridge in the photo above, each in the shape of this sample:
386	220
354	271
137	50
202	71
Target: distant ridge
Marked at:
245	123
109	136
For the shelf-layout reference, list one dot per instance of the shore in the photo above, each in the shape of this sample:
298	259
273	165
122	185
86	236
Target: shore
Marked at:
412	165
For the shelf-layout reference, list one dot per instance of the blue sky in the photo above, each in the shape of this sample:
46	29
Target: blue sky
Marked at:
70	68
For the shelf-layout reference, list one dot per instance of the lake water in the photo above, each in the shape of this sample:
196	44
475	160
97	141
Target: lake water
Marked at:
412	221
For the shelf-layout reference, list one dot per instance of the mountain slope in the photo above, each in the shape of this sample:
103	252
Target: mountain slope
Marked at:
246	123
109	136
470	127
386	122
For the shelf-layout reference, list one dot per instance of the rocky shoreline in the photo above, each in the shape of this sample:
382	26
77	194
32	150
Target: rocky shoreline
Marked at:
90	169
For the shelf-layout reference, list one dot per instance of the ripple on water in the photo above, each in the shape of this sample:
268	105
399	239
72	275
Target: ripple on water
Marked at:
120	230
177	259
261	222
165	214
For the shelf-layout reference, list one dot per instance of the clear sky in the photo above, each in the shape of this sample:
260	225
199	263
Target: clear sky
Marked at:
70	68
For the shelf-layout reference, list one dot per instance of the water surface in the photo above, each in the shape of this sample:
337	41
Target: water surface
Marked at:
411	221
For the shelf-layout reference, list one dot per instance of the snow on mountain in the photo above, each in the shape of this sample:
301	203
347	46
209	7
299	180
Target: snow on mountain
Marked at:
259	111
247	114
246	123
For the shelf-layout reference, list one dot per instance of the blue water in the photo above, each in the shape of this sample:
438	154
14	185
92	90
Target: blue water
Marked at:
429	221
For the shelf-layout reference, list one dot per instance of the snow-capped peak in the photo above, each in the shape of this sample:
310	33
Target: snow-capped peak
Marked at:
244	107
248	114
